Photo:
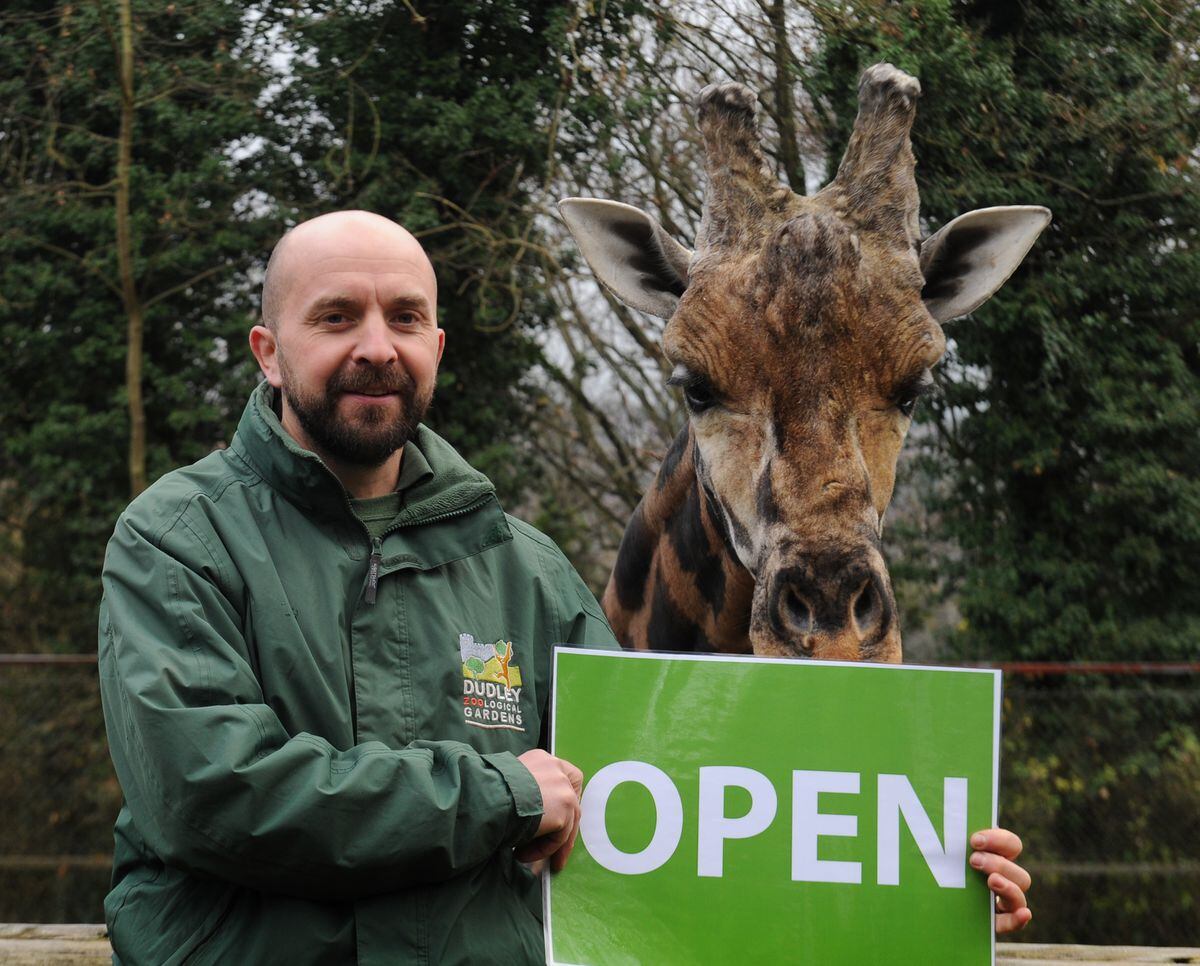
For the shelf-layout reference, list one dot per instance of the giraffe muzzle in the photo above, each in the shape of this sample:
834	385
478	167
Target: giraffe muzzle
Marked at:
827	606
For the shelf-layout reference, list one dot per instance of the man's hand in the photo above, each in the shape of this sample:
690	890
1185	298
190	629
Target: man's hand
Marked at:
561	784
995	850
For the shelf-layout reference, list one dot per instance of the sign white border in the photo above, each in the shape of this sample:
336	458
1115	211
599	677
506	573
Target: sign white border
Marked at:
997	677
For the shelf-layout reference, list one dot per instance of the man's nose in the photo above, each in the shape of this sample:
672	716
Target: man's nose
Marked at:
375	344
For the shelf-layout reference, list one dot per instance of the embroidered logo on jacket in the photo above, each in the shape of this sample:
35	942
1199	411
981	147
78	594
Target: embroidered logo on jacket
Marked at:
491	684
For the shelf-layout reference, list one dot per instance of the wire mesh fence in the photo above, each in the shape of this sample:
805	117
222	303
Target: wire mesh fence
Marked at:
59	796
1100	774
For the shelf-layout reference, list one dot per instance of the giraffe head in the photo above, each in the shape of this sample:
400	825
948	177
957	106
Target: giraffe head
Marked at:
802	330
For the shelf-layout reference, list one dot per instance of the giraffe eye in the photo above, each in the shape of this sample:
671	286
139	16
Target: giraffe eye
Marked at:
699	397
698	393
907	395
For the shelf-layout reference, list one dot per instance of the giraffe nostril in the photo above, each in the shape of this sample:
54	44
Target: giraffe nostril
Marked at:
867	608
796	611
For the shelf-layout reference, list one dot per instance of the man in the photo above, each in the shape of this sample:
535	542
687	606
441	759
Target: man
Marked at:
324	658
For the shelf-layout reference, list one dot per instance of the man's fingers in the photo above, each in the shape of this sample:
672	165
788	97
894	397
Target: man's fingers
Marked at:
1009	898
545	846
1012	921
995	850
989	862
559	860
574	776
533	851
560	784
1012	911
998	840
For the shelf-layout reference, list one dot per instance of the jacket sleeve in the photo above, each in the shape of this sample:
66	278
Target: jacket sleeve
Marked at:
586	626
218	787
581	620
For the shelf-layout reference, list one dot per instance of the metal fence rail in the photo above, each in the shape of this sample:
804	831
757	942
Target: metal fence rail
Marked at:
1100	774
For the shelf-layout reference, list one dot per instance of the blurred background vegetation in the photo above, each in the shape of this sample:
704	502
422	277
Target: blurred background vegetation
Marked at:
1049	498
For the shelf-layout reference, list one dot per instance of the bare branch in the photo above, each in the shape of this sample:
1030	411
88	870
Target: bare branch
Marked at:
183	286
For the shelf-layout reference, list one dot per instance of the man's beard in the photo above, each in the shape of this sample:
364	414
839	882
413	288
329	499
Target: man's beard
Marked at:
374	433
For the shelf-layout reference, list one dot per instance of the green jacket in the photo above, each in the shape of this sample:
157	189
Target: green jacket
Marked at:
312	730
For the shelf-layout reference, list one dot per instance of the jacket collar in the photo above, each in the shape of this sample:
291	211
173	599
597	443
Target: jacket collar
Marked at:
453	488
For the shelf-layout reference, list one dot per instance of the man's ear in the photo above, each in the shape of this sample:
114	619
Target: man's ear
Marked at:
966	261
629	252
266	350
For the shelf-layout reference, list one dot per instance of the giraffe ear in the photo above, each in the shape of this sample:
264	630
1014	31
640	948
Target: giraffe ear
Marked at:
966	261
629	252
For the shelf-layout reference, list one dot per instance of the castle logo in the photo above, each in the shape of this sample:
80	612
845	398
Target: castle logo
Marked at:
491	684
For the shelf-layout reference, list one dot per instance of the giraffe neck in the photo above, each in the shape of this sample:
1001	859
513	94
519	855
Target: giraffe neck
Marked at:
676	584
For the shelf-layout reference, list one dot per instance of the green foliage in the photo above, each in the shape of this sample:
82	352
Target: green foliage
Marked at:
1070	418
446	120
249	118
1066	437
63	425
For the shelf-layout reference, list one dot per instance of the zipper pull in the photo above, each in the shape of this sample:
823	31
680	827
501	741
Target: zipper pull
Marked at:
373	570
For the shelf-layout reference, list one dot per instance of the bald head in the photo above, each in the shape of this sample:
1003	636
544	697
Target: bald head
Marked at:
340	239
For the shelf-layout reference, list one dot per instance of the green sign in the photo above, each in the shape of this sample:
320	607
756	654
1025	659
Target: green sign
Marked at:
748	810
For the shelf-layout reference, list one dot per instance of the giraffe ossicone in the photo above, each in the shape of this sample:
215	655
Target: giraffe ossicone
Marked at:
802	330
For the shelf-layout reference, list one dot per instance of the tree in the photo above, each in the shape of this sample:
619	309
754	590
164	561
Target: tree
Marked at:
128	224
1070	421
151	153
1066	441
605	416
446	117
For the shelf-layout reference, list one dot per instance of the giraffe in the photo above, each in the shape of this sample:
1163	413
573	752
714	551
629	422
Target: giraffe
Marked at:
802	330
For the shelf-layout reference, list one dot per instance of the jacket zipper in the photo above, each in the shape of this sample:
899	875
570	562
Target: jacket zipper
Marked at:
377	542
373	569
461	511
377	546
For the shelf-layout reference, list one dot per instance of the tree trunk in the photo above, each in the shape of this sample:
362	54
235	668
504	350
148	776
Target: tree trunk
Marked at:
129	293
785	106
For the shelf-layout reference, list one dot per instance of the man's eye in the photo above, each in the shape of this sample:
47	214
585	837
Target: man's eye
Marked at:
336	318
408	318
